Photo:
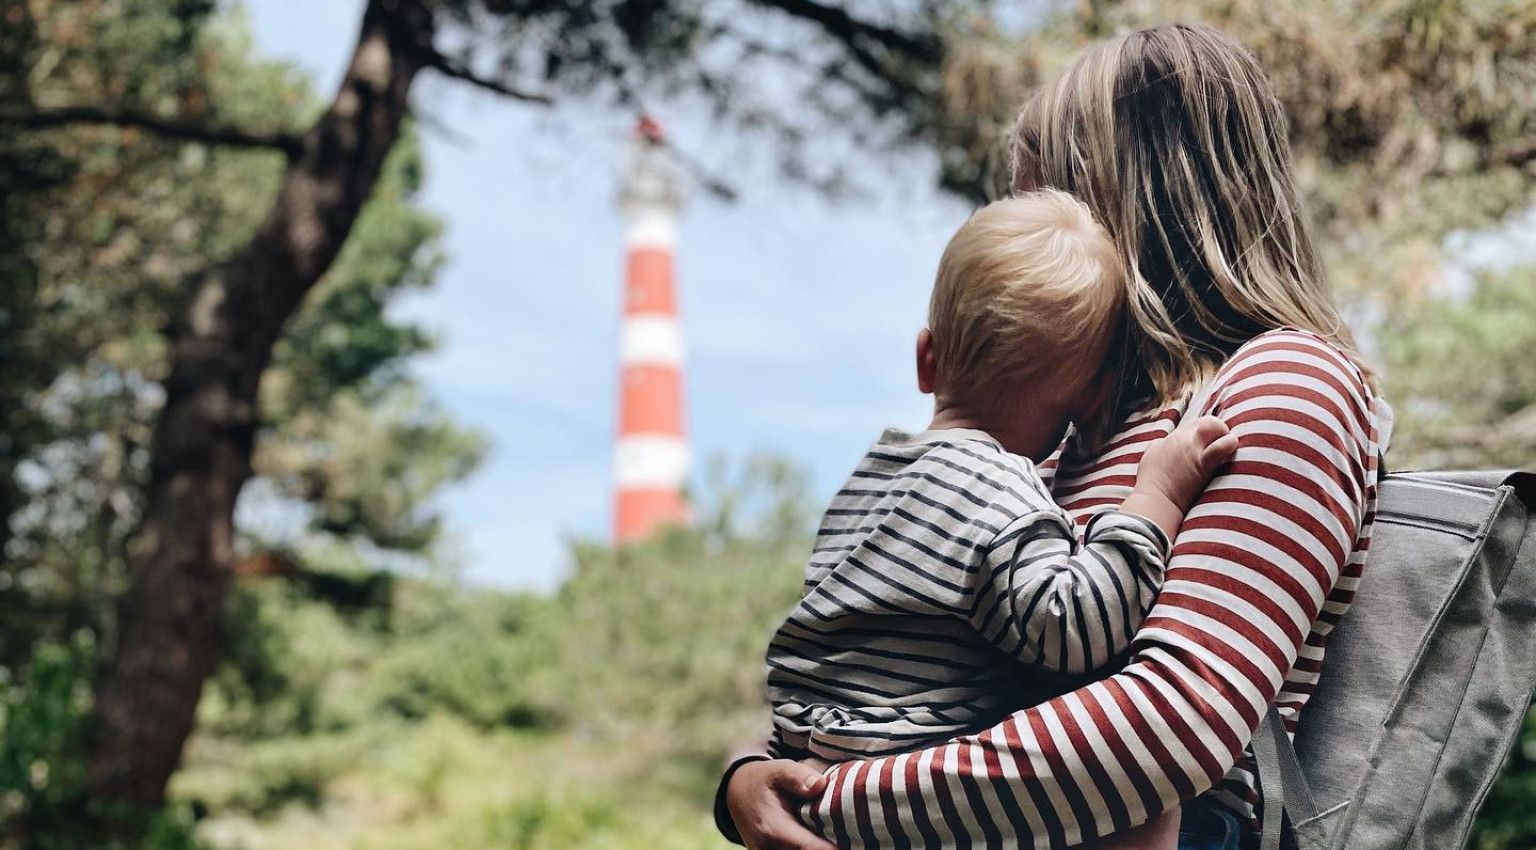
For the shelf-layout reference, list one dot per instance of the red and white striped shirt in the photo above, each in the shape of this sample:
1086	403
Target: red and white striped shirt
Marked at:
1266	563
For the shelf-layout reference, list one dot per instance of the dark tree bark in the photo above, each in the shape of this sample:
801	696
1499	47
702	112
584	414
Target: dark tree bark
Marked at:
170	628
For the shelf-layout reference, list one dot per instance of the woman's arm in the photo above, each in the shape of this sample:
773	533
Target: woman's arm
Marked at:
1258	555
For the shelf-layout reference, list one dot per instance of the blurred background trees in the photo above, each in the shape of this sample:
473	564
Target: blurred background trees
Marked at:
112	220
358	688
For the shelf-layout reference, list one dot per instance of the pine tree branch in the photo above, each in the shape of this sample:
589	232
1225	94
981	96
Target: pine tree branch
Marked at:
228	135
854	32
1521	154
450	68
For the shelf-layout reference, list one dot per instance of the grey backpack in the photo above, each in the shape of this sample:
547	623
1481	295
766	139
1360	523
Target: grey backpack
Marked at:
1427	678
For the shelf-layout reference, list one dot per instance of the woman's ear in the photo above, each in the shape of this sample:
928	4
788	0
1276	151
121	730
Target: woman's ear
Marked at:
927	366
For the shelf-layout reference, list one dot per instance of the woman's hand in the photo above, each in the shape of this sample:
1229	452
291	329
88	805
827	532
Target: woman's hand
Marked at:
762	797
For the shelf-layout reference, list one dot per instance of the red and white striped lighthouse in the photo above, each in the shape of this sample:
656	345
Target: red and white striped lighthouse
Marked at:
651	456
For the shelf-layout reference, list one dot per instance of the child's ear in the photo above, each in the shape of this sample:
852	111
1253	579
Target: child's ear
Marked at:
927	365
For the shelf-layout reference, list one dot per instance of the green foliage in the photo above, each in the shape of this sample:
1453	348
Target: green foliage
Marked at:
43	718
349	434
594	718
478	656
1459	372
679	622
27	170
101	227
344	339
287	666
347	437
42	766
363	470
543	822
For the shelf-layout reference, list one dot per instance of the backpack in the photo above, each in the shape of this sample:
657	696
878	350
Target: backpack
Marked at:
1427	679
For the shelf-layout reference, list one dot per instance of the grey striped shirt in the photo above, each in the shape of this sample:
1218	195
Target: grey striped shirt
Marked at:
942	570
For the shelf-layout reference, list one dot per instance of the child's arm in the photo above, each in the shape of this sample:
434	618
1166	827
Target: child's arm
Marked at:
1049	602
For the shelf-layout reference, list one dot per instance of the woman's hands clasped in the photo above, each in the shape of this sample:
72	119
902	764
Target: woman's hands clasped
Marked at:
762	797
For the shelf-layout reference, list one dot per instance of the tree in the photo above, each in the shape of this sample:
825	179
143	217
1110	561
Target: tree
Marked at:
1465	396
104	236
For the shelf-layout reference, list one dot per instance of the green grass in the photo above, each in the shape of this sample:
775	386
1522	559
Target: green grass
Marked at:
443	782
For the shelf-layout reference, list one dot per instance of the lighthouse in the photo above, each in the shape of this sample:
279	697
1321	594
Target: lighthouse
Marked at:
651	456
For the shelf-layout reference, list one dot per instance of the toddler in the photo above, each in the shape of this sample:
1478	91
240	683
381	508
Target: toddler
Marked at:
946	588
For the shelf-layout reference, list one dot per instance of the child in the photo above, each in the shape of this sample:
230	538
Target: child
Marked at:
943	564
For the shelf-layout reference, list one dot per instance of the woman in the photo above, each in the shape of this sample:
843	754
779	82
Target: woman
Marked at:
1173	136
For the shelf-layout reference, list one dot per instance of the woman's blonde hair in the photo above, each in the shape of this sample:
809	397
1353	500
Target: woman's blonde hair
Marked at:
1175	139
1028	299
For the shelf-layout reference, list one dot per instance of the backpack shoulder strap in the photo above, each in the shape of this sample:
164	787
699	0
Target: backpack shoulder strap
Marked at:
1282	786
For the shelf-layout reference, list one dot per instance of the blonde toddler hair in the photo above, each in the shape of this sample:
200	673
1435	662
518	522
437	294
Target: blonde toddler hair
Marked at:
1028	299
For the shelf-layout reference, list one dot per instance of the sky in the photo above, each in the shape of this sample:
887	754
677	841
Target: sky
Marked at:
799	314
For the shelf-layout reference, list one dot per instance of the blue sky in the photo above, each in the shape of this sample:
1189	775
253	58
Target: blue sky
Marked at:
799	314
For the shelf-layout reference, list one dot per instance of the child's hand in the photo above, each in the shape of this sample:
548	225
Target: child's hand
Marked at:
1178	467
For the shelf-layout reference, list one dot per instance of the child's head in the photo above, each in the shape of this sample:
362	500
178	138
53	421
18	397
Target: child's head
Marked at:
1025	315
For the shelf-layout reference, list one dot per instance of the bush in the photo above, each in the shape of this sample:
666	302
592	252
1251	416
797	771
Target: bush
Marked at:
596	718
662	642
43	725
483	657
42	762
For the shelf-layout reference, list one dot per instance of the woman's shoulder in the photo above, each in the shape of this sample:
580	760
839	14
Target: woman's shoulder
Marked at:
1288	373
1292	357
1280	361
1274	371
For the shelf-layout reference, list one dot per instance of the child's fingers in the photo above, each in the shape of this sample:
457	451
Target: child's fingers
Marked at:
1219	451
1207	430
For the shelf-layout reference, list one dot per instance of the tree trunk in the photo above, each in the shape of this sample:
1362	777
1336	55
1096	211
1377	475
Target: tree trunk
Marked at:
171	619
